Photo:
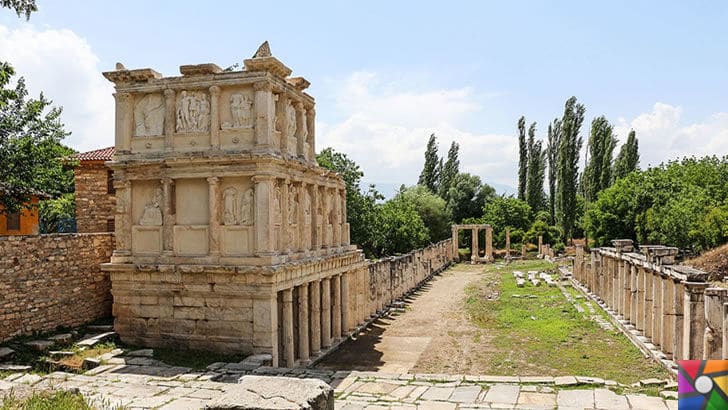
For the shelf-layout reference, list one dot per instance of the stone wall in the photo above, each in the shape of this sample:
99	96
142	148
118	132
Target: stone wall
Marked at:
95	206
48	281
672	305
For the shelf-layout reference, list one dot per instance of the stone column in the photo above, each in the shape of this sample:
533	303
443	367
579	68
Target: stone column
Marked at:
489	243
336	222
627	295
668	315
315	314
303	318
713	335
214	225
285	245
647	276
301	131
263	214
678	296
169	118
310	120
336	314
325	215
289	357
725	332
455	244
122	221
167	212
346	326
215	117
634	305
345	235
304	236
282	119
508	243
264	115
265	326
124	121
474	247
657	309
694	320
326	312
316	218
540	245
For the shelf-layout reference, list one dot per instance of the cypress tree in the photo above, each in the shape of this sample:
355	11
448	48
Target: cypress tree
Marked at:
552	149
522	158
568	167
628	158
449	171
535	171
598	172
429	175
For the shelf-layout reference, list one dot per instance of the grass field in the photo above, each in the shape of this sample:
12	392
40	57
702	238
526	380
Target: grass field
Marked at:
539	332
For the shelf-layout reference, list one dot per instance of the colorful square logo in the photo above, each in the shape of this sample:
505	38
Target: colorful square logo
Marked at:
702	384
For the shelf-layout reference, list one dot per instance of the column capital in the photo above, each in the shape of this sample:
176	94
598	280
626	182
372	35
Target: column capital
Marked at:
299	106
215	90
287	295
167	181
122	97
262	86
213	180
169	93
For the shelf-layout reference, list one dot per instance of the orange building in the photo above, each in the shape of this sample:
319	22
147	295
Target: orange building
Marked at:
24	222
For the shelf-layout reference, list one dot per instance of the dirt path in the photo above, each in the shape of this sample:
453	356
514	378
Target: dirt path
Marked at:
433	335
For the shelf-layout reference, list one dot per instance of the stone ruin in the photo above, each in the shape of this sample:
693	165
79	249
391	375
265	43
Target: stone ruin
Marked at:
226	227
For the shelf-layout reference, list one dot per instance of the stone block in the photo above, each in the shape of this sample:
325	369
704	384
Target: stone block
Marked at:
262	392
6	353
40	345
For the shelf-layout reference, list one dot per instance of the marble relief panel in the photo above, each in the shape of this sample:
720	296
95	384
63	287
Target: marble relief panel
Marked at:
149	112
193	112
238	216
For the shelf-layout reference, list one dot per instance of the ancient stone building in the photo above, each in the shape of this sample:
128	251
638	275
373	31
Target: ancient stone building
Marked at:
229	236
94	191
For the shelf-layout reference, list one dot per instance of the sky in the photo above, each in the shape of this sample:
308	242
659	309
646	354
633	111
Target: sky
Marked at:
387	74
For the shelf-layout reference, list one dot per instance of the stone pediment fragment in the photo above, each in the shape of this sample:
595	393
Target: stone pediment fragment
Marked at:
131	76
298	83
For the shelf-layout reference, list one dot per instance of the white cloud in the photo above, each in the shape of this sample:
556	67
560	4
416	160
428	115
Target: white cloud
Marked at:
662	136
62	65
385	130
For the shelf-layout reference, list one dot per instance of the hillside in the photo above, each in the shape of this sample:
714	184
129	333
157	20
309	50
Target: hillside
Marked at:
714	261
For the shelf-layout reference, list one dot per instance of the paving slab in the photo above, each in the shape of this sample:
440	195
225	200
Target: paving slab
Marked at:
437	393
607	399
565	381
643	402
536	399
575	398
466	394
503	394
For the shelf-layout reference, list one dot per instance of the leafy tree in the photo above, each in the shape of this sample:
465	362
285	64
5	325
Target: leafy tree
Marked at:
628	158
502	212
522	158
598	171
568	168
549	233
450	170
400	228
361	207
552	154
431	209
58	215
467	196
429	175
535	171
30	145
21	7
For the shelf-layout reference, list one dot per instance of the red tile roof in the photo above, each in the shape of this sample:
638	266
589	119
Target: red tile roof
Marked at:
103	154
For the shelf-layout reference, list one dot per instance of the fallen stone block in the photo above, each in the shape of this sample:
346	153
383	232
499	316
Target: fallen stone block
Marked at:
93	340
62	338
40	345
536	282
90	363
6	353
565	381
259	359
141	353
101	328
258	392
58	354
14	367
520	283
652	382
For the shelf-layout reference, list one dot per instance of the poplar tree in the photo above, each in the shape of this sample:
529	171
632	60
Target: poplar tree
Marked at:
568	166
628	158
535	171
449	171
598	171
552	153
429	175
522	158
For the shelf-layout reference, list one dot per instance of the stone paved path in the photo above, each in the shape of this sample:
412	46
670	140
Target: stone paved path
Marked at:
369	390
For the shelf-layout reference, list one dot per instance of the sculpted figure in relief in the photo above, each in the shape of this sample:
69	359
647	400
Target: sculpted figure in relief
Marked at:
152	215
247	215
292	205
229	201
277	205
240	109
291	117
193	112
149	115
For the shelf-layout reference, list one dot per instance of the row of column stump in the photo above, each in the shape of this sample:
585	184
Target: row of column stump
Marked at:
674	306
